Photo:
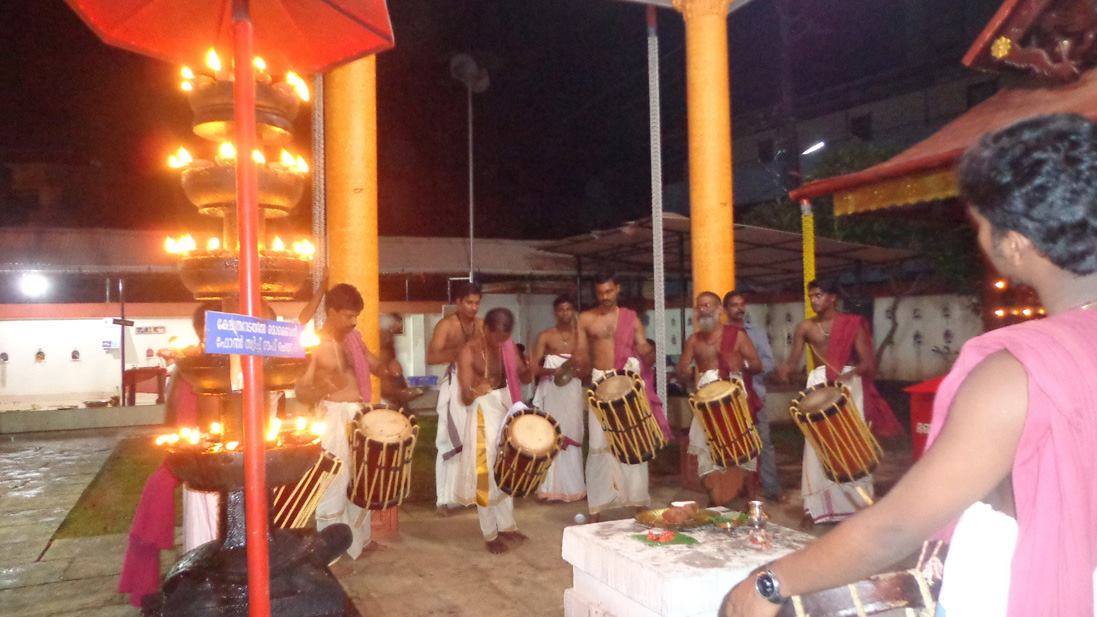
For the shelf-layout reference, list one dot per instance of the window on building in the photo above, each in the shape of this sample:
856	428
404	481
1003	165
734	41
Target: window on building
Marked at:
979	92
765	150
861	126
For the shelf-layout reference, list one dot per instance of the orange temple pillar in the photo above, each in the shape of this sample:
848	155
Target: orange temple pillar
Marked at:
350	156
350	153
708	105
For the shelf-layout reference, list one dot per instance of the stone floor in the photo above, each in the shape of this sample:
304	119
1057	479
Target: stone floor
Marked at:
436	566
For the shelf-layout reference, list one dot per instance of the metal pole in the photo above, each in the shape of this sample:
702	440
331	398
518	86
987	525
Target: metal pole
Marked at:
319	196
472	207
658	273
122	338
247	207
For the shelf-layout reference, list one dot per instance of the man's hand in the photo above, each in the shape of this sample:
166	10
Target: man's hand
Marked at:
394	369
744	601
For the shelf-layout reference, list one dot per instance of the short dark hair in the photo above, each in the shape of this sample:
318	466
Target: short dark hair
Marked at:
464	289
198	319
563	299
731	294
827	286
499	320
605	276
710	294
1038	177
343	297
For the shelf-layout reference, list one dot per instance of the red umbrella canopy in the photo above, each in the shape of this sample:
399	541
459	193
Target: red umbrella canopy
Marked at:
308	35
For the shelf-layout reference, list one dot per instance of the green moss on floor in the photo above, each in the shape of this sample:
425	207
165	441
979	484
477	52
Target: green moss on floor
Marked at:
107	504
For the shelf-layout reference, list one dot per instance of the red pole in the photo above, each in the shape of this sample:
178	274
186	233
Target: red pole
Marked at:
247	208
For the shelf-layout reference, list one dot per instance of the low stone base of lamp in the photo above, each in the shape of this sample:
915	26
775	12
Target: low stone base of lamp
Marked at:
211	580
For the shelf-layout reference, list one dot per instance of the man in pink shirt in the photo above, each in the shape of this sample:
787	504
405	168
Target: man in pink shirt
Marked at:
1013	444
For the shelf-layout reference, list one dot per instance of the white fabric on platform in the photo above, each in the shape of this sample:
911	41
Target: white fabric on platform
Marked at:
498	513
619	576
564	479
827	501
611	483
334	505
201	516
977	570
451	422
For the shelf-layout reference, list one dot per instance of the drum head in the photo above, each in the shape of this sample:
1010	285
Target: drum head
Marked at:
715	391
613	388
385	426
820	399
532	433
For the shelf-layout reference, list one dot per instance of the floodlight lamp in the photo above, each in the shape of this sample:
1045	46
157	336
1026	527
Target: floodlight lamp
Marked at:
817	146
34	285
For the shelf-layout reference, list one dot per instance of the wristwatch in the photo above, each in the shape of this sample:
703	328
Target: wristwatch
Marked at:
767	586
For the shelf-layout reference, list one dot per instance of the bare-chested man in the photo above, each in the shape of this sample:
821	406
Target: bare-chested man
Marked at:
612	337
553	349
719	352
331	382
450	335
490	374
835	339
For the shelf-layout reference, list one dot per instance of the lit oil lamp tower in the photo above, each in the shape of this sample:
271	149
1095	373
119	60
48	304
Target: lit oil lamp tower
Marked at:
212	579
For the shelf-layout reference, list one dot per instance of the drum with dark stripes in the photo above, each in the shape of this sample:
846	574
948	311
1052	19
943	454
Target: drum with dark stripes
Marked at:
620	404
530	439
293	505
722	409
831	423
381	444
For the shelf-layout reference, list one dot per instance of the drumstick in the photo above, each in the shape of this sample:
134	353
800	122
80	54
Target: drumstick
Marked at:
864	495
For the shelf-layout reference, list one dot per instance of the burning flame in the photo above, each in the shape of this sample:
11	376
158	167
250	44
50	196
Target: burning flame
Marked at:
318	429
300	424
302	167
186	73
273	429
286	158
277	245
180	158
186	86
1000	284
304	248
1027	312
213	244
300	88
213	61
257	156
1000	313
259	64
309	338
216	428
226	152
183	244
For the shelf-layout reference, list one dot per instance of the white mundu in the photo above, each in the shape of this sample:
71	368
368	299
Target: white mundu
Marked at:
825	500
451	425
564	480
334	505
476	478
611	483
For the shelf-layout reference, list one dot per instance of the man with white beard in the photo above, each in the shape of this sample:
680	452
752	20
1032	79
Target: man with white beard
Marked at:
718	352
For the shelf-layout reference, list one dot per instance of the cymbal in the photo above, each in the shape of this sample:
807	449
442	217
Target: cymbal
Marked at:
564	373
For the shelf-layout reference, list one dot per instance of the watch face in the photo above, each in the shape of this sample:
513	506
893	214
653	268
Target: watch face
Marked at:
765	585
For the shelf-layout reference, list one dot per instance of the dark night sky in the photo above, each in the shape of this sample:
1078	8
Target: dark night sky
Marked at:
561	133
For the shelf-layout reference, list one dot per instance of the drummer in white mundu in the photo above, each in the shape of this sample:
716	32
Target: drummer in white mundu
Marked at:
560	394
337	381
611	337
490	372
718	352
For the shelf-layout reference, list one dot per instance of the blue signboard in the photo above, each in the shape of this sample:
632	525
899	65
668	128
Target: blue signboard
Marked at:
229	333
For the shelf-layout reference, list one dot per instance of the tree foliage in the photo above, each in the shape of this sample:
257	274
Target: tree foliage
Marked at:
949	246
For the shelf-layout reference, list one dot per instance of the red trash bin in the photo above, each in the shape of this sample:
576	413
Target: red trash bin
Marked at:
921	412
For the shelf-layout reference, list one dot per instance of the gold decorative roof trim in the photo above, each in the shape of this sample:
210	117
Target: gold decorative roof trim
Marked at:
902	191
